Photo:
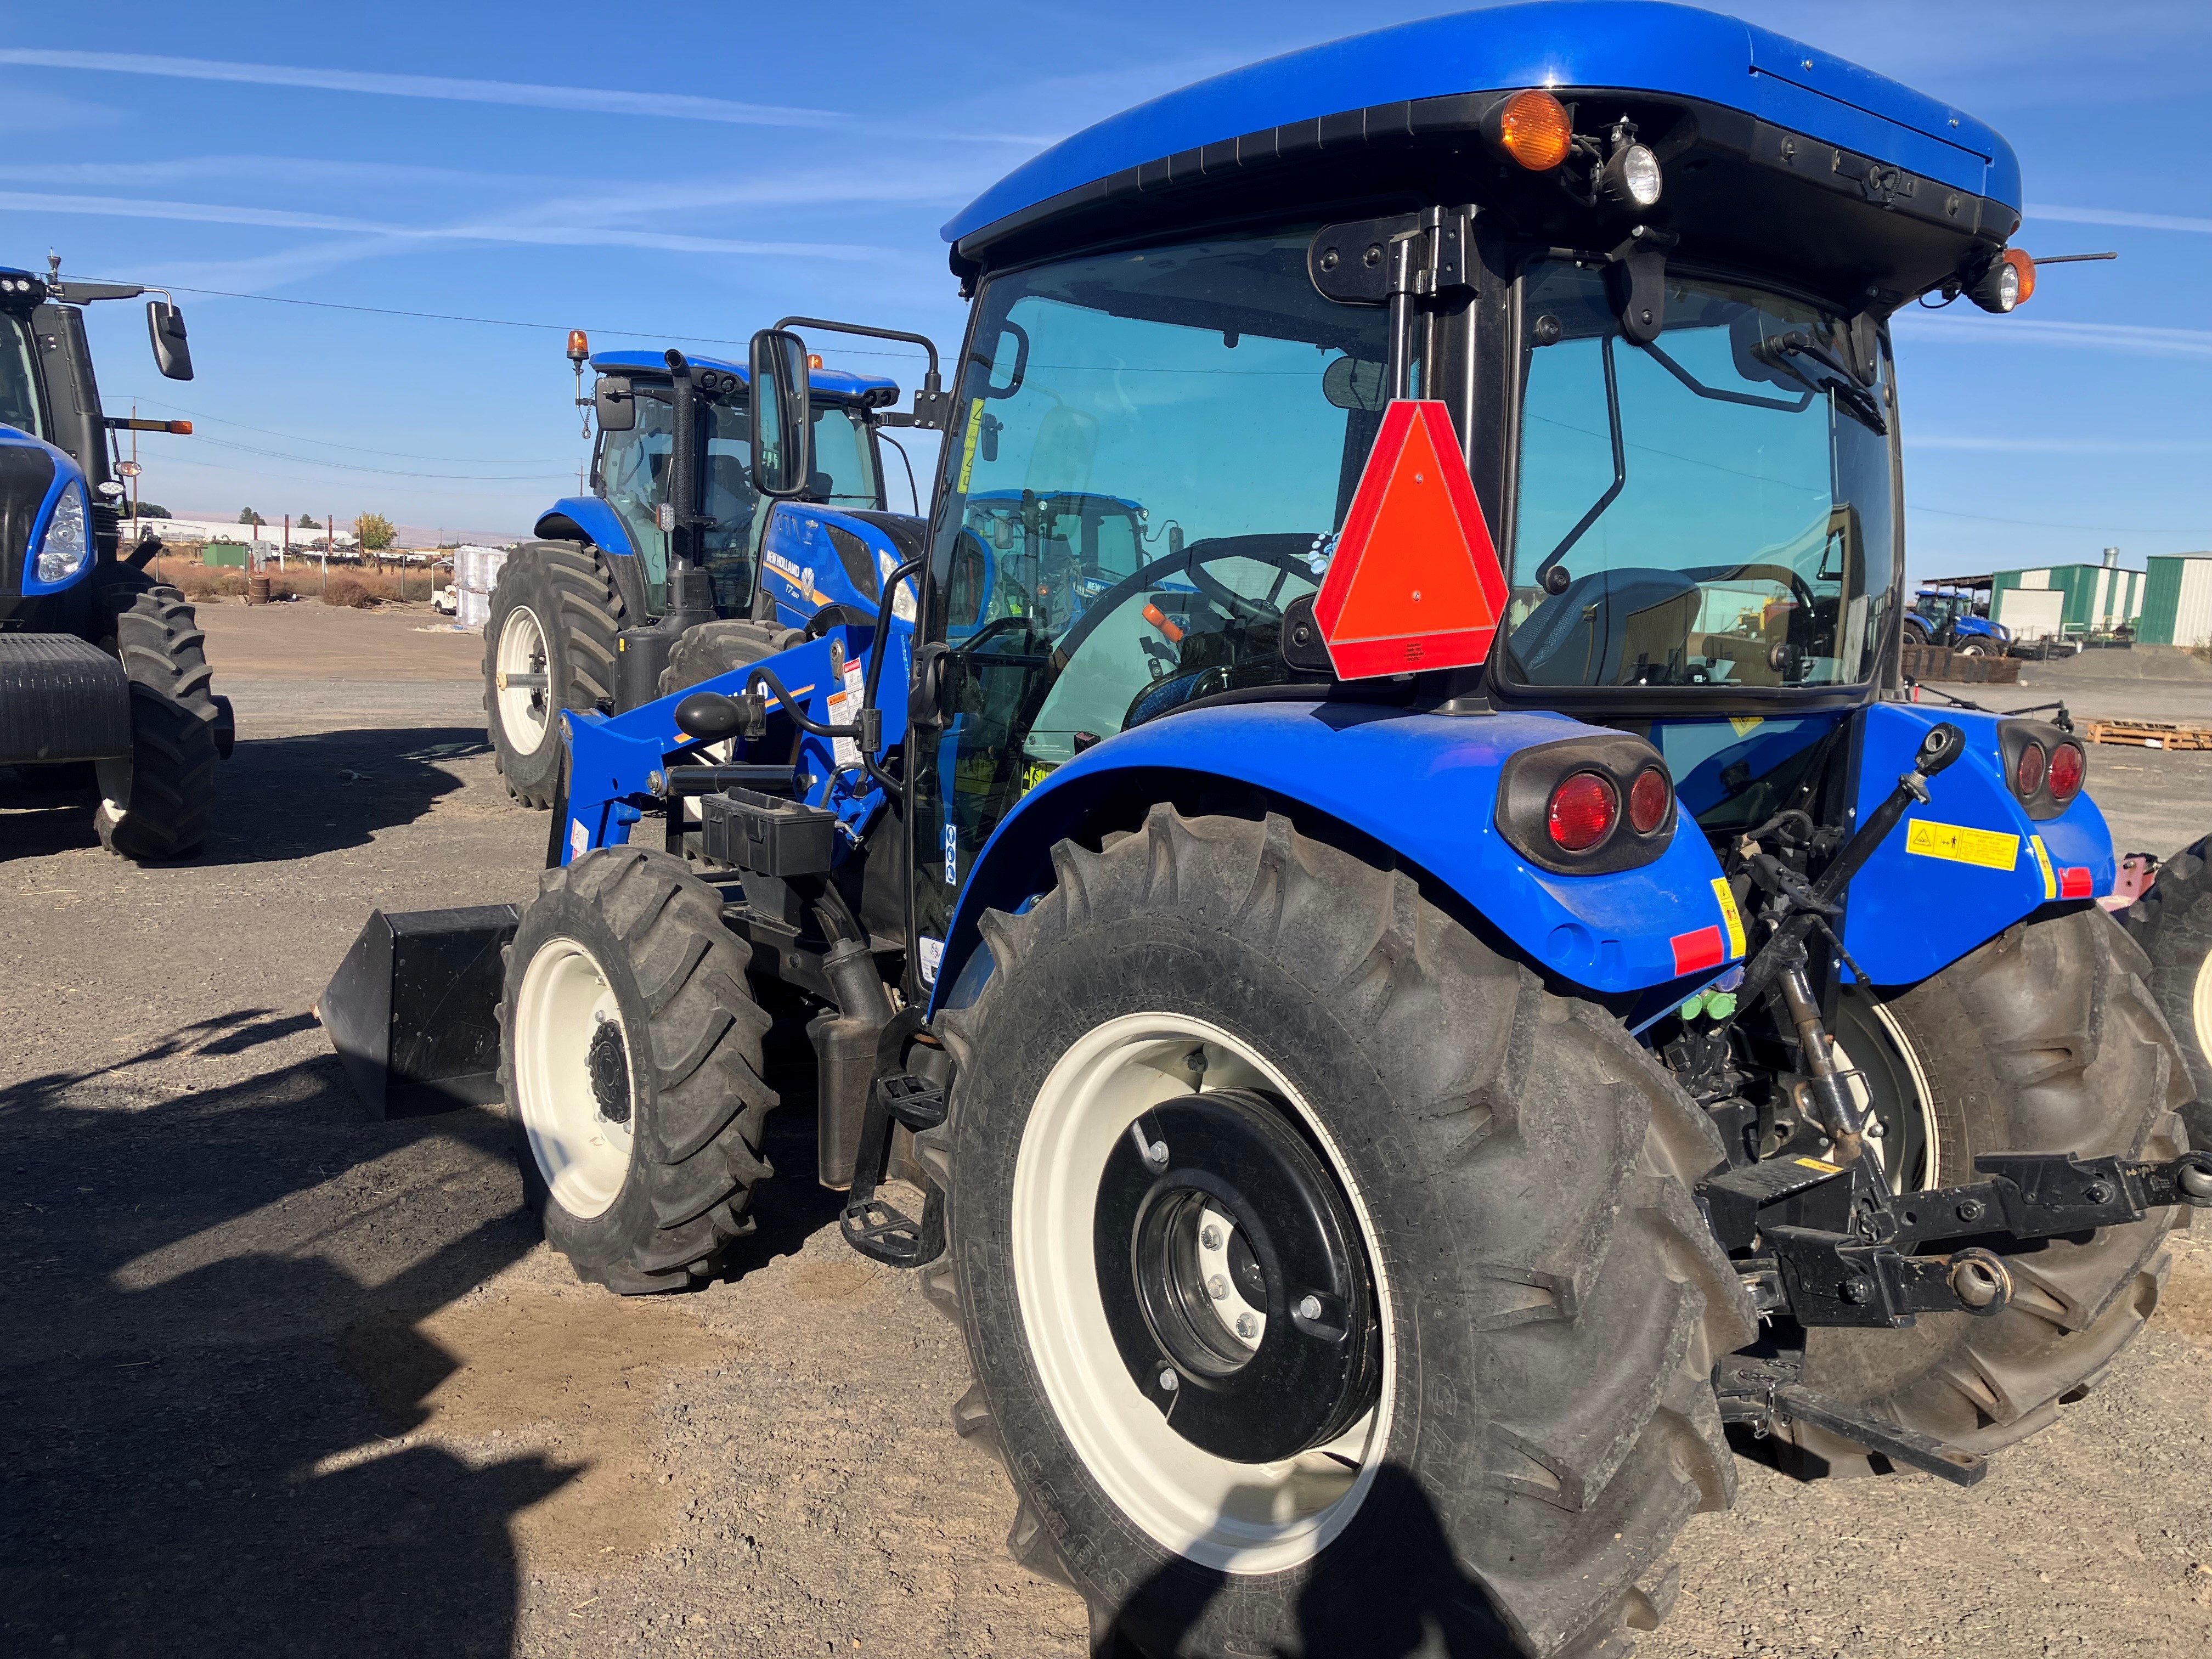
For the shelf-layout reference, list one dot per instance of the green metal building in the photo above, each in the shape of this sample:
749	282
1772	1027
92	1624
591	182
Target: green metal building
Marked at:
2177	606
2067	599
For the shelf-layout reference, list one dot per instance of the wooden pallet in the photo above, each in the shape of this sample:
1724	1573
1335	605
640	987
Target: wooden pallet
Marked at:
2149	734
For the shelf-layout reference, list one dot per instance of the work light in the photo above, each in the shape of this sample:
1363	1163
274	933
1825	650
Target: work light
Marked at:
1631	178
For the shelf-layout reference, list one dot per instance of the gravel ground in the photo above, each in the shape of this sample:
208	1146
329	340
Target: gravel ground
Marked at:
278	1378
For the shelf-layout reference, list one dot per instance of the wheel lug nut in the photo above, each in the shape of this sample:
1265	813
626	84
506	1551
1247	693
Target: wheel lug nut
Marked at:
1218	1288
1210	1238
1308	1306
1169	1381
1246	1326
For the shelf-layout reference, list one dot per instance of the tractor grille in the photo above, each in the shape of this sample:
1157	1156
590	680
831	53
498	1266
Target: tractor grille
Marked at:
26	475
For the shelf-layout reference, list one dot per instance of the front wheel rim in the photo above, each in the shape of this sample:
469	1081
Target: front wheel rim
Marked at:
1231	1516
525	712
572	1074
2200	1007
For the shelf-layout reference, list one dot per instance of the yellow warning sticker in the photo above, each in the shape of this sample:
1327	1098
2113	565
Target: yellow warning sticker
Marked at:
1962	844
1746	724
2043	858
1815	1163
967	444
1730	915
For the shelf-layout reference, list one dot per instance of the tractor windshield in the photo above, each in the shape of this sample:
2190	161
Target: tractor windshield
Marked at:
1151	447
19	386
1714	508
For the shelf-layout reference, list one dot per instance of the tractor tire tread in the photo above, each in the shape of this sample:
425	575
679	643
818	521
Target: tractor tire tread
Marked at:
718	647
582	613
2172	925
153	631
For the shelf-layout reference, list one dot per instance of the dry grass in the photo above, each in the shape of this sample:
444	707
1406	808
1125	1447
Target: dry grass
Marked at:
349	593
302	581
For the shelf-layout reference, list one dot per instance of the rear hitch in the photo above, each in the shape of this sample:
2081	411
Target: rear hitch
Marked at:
1759	1391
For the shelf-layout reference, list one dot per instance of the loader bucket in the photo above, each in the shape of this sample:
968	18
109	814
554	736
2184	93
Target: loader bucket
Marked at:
412	1010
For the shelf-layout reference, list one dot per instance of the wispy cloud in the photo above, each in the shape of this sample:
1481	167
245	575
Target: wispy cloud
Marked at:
2135	338
2120	218
2025	446
599	100
543	234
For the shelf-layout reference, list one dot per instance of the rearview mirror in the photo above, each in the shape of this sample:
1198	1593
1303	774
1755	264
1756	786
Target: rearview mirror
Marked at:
172	355
612	403
782	412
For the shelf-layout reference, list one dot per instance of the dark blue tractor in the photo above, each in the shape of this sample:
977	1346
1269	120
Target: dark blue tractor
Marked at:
588	617
105	689
1947	616
1400	1071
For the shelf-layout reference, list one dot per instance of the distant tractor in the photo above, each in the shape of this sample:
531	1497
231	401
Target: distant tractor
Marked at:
1427	1014
589	615
104	682
1950	615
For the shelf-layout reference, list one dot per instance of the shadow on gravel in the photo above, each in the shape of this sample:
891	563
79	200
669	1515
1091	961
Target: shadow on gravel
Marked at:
277	798
211	1306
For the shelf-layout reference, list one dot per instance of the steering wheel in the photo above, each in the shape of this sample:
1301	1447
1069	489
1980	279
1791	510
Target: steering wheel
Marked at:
1226	599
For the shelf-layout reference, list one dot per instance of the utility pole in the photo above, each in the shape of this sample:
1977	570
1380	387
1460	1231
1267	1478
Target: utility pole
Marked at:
285	552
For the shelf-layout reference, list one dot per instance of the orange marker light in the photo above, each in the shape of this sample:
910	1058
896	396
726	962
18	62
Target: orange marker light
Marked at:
814	360
2023	270
182	428
1532	128
579	345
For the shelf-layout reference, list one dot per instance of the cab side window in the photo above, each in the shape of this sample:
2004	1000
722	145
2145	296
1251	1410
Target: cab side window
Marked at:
632	479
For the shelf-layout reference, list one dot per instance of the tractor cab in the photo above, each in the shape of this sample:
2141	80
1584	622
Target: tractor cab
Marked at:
634	467
1954	610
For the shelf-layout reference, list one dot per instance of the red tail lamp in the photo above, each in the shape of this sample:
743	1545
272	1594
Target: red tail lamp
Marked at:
1582	811
1532	128
1649	797
2027	776
2069	767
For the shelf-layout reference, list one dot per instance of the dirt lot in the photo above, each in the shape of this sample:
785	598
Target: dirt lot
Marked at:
277	1378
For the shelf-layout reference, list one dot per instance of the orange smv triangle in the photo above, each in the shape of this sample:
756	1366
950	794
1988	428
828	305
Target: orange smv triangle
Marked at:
1414	583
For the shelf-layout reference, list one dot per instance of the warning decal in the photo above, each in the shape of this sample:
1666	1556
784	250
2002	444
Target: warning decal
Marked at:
1730	915
1414	583
2043	858
1961	844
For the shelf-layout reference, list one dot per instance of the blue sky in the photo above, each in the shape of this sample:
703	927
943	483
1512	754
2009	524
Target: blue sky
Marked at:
688	171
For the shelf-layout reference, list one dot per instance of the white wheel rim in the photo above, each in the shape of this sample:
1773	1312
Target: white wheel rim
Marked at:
525	713
1234	1517
2200	1007
564	1000
1922	1105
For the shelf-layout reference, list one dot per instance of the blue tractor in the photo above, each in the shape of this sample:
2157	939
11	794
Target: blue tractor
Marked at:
592	613
1400	1077
1947	614
105	687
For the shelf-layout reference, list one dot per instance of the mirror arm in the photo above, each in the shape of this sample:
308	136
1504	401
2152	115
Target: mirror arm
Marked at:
932	404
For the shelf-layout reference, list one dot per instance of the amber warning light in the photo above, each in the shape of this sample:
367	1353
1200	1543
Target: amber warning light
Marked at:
579	345
1532	128
1415	583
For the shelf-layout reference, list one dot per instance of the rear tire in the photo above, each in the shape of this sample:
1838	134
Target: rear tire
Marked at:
718	647
641	1150
155	806
2172	925
1976	646
2044	1040
1550	1304
554	611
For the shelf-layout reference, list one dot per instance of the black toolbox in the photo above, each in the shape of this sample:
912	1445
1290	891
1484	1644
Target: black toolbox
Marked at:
765	835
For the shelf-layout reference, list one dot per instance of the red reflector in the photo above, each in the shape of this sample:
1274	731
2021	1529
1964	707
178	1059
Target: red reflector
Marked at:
1647	800
2075	883
1584	808
1414	583
2029	778
2068	767
1703	949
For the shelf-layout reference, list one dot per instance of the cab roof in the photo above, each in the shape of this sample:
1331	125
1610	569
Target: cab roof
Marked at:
837	383
1332	93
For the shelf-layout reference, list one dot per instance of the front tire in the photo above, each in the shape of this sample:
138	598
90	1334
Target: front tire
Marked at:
630	1062
1510	1171
555	611
2172	923
2044	1040
717	648
155	806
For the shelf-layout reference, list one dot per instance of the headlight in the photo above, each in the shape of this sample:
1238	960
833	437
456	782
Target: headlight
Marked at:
67	543
1632	177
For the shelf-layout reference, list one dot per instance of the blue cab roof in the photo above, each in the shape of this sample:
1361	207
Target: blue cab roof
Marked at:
824	382
1628	45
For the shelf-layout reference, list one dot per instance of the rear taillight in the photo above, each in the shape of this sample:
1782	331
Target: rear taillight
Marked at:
1582	811
2069	767
1648	797
2027	776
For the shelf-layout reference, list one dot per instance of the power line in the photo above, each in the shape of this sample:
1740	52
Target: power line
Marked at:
351	449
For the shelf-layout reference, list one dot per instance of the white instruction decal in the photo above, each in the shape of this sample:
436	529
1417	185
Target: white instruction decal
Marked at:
578	839
933	957
844	709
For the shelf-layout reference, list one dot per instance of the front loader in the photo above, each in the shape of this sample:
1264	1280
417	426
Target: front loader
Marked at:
1405	1025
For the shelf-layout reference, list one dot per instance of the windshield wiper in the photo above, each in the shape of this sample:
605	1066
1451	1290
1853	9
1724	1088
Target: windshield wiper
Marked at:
1854	393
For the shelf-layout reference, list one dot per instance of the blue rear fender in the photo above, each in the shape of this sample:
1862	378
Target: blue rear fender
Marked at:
1424	786
1976	865
601	525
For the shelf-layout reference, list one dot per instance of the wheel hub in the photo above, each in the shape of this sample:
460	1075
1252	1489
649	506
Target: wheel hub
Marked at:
1232	1280
609	1063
